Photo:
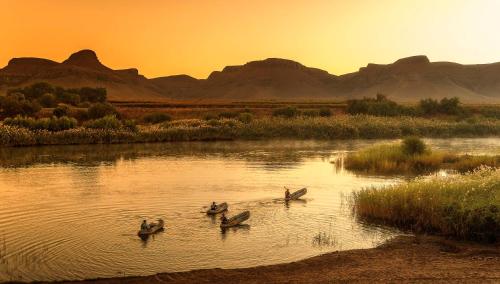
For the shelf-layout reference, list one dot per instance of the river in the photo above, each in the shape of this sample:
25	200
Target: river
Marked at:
73	212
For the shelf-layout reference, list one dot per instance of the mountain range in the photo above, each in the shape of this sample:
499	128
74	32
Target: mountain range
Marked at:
406	80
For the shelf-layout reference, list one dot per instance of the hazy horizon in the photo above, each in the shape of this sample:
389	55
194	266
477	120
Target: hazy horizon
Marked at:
166	37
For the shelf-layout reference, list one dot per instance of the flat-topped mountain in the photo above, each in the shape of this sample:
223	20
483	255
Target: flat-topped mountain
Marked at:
408	79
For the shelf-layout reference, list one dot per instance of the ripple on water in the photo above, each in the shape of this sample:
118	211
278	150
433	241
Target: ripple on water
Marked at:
75	212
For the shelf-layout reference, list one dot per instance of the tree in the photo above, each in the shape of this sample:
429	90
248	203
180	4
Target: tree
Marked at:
450	106
429	106
93	95
60	111
37	90
47	100
99	110
288	111
15	103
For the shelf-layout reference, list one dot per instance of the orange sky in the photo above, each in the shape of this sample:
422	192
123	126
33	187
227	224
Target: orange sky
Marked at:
196	37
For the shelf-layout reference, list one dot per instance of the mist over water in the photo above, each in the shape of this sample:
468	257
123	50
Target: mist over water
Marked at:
73	212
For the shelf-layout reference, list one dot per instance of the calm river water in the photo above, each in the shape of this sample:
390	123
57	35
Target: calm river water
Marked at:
72	212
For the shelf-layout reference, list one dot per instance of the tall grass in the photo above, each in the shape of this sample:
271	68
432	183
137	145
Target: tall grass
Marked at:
396	159
464	206
336	127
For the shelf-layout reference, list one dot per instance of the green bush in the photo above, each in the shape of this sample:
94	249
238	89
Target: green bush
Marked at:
130	125
107	122
228	114
209	116
245	117
60	110
81	114
100	110
157	117
310	113
51	124
68	98
325	112
445	106
380	106
288	111
15	104
47	100
413	146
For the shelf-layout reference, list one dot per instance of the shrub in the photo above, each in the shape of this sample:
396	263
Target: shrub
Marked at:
93	95
100	110
47	100
84	105
228	114
130	125
107	122
156	117
325	112
60	110
51	124
288	111
245	117
69	98
445	106
81	114
209	116
429	106
380	106
16	104
310	113
413	146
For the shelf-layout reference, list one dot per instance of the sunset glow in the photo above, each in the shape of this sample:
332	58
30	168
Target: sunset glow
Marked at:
197	37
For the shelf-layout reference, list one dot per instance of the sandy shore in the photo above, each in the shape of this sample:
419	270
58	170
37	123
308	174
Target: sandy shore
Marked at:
404	259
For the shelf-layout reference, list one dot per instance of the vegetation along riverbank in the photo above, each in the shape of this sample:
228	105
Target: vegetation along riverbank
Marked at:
42	114
412	156
109	129
463	206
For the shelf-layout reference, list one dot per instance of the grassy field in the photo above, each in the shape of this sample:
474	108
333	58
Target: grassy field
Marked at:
465	206
395	159
335	127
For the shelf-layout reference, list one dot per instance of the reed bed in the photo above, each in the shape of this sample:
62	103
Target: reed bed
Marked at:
463	206
335	127
388	159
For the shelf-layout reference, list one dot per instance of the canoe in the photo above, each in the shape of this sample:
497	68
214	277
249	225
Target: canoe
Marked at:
153	228
236	220
220	208
297	194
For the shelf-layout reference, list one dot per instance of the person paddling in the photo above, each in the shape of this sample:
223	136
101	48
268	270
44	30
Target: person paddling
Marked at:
223	218
287	193
144	225
214	206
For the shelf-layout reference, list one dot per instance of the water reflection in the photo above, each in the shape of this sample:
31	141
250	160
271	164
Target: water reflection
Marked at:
83	205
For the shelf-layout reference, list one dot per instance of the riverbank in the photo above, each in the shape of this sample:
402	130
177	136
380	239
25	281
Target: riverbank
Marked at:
323	128
459	206
403	259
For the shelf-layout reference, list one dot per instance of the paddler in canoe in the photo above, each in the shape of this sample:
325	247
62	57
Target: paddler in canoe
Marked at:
144	226
223	219
287	194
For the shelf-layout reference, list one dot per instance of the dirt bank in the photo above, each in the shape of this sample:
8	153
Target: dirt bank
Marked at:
404	259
